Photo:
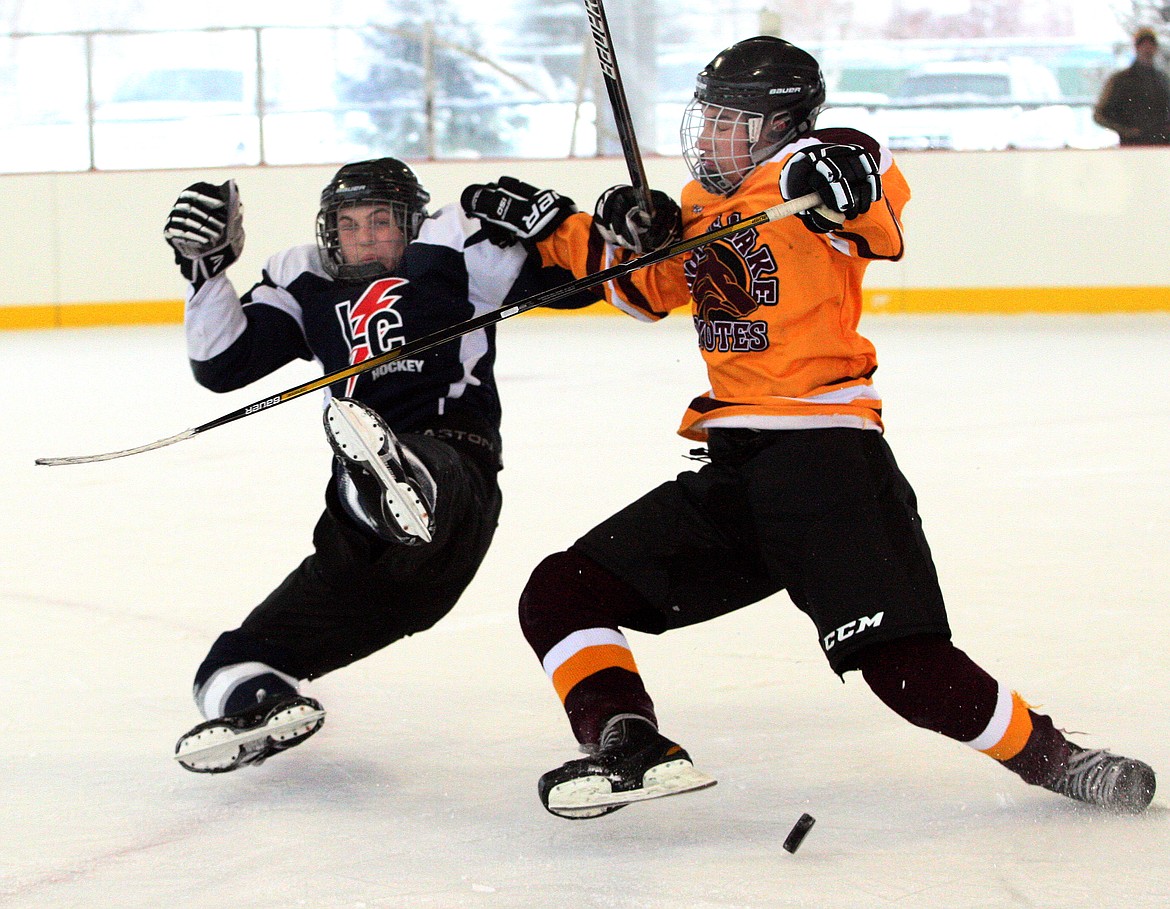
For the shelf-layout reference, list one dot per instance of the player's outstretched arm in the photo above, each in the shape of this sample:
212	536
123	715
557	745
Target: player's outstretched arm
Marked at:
511	210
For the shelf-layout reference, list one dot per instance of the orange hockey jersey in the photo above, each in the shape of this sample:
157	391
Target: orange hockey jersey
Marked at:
776	307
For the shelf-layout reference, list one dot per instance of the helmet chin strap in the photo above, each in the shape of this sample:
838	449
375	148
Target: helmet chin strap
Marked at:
363	272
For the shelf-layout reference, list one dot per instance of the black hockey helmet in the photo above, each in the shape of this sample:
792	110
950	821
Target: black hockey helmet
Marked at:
779	89
764	75
381	180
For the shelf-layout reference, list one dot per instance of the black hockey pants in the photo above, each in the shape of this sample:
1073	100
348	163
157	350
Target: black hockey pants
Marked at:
355	595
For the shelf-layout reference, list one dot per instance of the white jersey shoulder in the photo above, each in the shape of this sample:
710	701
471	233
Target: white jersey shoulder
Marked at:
287	265
491	270
214	317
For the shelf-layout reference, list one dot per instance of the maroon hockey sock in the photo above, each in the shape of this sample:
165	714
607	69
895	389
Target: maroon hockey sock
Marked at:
599	697
931	683
1043	756
570	612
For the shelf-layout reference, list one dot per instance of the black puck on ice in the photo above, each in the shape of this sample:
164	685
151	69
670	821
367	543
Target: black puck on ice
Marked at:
799	831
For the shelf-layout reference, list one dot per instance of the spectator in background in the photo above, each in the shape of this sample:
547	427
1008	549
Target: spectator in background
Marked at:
1135	102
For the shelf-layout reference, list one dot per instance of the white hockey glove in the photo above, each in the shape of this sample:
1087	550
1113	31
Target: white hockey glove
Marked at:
844	176
512	210
206	230
621	221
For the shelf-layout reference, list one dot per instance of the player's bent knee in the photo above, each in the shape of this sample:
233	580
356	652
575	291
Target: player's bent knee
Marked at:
553	582
568	592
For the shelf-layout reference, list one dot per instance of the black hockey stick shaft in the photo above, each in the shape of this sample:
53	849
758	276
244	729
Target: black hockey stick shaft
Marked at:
607	60
443	335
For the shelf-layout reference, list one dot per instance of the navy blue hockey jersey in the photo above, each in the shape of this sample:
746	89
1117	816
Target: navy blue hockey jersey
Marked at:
298	311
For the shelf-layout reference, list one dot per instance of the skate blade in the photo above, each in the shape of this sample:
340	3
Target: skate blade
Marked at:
220	747
591	796
405	506
362	444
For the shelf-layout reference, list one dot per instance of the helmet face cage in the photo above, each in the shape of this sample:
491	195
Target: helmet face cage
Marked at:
761	94
720	145
385	181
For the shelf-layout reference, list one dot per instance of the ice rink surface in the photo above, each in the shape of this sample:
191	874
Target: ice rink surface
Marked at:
1040	451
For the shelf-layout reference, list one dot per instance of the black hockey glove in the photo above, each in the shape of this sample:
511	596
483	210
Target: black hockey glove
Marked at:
621	221
206	230
512	210
844	176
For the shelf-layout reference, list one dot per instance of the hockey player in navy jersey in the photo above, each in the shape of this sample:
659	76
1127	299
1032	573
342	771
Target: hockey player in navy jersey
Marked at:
413	500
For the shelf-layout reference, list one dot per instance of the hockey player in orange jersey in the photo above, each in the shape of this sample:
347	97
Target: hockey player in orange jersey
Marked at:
801	492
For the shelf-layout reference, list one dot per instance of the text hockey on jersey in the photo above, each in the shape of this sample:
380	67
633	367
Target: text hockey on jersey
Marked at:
776	307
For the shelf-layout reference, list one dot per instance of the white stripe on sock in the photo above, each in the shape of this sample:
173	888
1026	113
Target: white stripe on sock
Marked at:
578	641
999	722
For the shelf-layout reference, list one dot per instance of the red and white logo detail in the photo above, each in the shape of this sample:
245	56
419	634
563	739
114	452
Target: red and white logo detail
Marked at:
370	323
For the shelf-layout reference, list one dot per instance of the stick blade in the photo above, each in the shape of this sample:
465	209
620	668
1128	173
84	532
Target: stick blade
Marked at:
111	455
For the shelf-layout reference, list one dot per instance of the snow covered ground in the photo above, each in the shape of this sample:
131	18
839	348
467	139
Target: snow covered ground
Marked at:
1039	449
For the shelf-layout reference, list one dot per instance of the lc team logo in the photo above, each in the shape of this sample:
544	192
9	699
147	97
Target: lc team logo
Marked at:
370	324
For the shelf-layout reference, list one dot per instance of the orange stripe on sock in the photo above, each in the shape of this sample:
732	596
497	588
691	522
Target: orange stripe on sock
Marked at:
588	661
1016	735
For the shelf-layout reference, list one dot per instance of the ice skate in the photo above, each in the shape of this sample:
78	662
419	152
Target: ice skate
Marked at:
250	736
388	488
1106	780
633	763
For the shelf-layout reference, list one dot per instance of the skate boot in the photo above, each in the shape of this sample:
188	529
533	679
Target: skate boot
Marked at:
1106	780
250	736
632	763
382	484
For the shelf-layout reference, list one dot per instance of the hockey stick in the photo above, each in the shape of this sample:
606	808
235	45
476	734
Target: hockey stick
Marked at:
444	335
607	60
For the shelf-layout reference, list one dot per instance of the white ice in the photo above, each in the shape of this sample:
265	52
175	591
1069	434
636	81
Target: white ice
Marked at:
1039	450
